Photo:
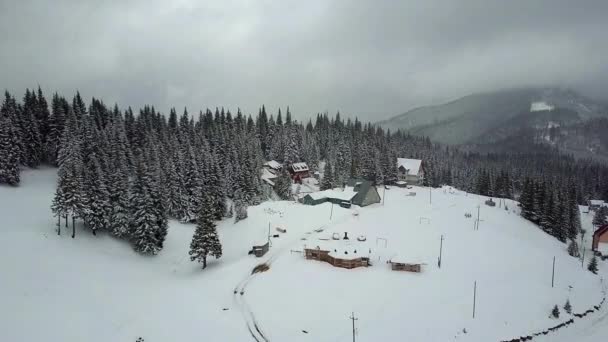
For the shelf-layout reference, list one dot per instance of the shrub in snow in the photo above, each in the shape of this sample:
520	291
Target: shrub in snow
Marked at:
568	307
573	249
555	312
593	265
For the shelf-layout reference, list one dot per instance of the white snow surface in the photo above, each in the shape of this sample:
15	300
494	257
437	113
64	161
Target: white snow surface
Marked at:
412	165
96	289
540	106
345	194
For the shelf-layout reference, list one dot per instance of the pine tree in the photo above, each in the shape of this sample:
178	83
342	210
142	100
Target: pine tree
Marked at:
97	207
205	240
593	265
327	182
599	218
240	208
9	152
283	186
143	232
555	312
568	307
573	249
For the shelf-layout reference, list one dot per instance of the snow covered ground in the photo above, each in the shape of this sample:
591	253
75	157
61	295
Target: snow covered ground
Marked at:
540	106
95	288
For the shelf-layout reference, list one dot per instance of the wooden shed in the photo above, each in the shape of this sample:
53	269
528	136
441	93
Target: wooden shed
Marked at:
399	263
260	250
401	266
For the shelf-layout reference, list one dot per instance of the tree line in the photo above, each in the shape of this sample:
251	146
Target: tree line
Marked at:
127	172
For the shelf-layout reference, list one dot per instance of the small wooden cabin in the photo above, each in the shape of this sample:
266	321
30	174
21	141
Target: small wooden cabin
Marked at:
401	266
400	263
600	240
260	250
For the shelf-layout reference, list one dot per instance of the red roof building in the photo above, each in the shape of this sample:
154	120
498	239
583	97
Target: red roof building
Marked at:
600	240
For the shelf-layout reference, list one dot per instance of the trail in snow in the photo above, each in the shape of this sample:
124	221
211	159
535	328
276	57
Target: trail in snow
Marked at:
239	290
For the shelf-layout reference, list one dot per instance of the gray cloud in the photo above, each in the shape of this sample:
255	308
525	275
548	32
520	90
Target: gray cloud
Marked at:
370	59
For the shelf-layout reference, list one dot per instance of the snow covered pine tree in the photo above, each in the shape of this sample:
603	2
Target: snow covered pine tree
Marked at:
205	240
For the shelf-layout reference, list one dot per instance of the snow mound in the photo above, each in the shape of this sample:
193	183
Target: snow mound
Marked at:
539	106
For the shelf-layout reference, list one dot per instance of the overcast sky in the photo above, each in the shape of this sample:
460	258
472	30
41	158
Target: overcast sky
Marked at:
370	59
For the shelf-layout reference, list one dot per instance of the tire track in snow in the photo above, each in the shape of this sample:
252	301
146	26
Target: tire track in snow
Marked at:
239	290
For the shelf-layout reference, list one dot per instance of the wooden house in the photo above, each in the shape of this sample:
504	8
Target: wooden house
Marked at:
410	170
600	240
339	255
299	171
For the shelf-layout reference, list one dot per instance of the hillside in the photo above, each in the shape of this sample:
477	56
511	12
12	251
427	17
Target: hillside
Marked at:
487	118
95	288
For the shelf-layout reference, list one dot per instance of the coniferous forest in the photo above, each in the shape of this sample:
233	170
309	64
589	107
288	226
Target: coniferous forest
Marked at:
128	172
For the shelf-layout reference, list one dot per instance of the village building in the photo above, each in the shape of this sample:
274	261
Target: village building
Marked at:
399	263
341	253
273	166
596	204
299	171
357	192
260	248
600	240
268	177
410	170
366	192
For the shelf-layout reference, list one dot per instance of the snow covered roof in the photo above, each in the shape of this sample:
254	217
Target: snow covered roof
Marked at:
344	249
596	202
400	182
299	167
268	176
405	259
411	165
346	195
273	164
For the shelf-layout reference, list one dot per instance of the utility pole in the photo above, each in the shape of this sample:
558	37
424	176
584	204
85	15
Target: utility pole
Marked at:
553	273
440	248
474	296
430	195
477	221
583	259
331	213
383	194
352	318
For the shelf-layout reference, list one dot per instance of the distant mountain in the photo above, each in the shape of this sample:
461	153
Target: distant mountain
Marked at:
512	119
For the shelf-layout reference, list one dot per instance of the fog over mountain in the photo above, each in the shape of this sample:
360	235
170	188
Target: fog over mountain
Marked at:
367	59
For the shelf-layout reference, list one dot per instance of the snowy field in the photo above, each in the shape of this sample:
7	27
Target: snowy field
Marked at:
95	288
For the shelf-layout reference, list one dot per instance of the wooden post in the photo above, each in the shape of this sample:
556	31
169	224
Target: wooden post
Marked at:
58	224
331	213
553	273
352	317
73	227
440	248
66	220
583	259
474	296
